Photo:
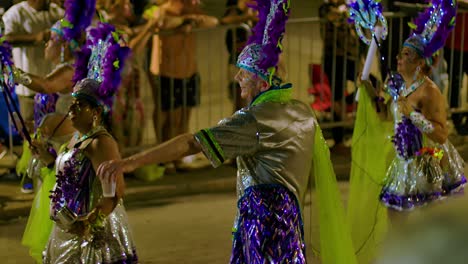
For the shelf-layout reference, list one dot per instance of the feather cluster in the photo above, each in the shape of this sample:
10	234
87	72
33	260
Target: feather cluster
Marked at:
110	62
78	16
269	30
435	24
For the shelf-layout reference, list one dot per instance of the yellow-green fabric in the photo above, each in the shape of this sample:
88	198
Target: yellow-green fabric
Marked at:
335	239
371	154
39	224
23	162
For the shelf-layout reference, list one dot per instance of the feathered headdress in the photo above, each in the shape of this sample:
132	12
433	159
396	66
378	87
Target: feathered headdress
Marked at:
78	16
101	59
261	54
432	27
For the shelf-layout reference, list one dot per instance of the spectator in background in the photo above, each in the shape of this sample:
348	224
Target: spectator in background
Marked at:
176	86
237	12
128	112
340	57
27	27
456	56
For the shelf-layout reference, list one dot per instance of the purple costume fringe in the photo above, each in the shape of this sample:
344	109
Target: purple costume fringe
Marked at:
270	228
408	202
407	139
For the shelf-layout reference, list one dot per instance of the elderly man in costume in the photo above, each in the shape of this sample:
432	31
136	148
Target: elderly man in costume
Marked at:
274	140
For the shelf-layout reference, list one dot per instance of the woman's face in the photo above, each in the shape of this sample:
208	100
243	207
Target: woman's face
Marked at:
408	61
249	83
53	47
81	113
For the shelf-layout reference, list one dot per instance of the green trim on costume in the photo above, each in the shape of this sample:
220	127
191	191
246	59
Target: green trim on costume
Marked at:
213	139
207	146
282	95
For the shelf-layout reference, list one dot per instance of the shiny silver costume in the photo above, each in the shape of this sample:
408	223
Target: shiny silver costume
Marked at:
273	141
111	244
421	179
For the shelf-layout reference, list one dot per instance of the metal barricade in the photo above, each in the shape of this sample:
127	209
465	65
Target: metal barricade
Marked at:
303	48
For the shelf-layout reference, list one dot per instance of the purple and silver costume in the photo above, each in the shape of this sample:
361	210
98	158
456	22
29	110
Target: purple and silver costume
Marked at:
272	140
422	170
79	189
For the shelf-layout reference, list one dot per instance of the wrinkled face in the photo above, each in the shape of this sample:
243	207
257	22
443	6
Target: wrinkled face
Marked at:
408	61
53	47
249	83
81	114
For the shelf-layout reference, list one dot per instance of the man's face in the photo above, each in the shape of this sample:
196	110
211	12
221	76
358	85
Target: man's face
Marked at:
249	83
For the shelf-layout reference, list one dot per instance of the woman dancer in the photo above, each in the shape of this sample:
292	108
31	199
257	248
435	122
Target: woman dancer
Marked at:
426	166
89	227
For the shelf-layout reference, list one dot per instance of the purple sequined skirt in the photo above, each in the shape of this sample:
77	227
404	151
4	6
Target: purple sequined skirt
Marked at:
270	228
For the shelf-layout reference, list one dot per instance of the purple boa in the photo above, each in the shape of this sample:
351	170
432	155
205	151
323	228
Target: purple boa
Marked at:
407	139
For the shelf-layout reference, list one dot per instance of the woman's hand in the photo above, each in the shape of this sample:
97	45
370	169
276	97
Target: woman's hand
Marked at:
404	106
41	150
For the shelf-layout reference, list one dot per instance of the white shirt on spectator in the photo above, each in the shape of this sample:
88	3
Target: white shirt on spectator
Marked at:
24	19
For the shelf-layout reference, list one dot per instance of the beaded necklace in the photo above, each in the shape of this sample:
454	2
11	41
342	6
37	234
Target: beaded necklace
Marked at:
90	133
415	85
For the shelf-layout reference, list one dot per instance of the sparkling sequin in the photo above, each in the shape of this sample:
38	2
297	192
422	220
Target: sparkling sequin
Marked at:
111	244
270	228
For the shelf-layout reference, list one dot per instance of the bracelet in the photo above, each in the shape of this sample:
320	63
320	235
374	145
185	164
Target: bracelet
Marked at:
21	77
420	121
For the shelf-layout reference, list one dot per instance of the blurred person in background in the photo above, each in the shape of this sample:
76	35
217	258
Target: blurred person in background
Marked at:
27	28
340	58
456	56
176	82
237	12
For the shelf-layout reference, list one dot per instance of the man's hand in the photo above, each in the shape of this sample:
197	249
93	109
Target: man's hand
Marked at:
109	170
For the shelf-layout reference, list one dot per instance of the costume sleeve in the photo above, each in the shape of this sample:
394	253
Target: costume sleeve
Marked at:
233	136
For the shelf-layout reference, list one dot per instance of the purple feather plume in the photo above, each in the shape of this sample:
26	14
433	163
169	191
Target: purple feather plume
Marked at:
79	13
111	64
270	29
442	28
